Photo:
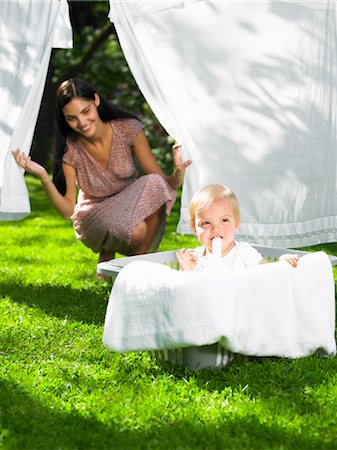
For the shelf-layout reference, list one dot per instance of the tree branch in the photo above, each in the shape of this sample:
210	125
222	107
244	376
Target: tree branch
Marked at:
105	33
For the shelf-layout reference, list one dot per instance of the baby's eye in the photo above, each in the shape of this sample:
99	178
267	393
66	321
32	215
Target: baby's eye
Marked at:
225	220
203	224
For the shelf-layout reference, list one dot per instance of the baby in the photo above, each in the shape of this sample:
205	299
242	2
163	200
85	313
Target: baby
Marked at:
215	218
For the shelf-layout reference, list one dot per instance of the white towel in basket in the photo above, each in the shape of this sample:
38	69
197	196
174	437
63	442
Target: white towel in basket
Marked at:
267	310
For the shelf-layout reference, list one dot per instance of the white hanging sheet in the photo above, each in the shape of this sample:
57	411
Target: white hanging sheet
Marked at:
29	30
250	90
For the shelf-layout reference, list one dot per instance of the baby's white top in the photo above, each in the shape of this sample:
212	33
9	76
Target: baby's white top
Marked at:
240	256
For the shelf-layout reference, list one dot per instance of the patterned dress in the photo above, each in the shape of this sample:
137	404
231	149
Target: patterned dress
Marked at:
112	201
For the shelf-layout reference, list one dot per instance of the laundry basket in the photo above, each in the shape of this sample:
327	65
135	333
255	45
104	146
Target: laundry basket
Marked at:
206	356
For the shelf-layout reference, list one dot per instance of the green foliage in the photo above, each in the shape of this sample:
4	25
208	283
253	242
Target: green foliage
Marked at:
105	67
61	389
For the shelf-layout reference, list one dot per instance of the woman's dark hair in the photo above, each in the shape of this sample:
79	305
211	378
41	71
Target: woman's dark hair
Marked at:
69	89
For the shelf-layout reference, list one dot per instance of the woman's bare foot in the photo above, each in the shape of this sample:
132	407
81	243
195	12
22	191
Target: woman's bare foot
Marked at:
104	256
99	276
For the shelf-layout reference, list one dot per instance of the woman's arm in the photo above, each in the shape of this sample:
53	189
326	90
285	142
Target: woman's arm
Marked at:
63	204
145	156
149	163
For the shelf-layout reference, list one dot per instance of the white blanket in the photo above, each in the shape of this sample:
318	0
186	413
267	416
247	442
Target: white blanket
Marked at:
267	310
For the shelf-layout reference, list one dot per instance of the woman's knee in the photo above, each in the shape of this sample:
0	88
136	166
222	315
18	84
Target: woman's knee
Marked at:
139	233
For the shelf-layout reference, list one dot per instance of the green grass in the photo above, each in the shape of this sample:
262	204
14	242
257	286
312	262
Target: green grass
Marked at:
61	389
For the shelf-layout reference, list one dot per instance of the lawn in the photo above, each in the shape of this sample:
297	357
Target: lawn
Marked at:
61	389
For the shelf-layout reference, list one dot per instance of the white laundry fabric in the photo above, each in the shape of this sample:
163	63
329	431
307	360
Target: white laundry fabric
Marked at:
29	30
250	90
266	310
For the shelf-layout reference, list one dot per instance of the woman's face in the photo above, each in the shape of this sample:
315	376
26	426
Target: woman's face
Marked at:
82	116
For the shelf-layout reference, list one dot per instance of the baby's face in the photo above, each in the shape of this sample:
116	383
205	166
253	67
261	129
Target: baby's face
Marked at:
218	220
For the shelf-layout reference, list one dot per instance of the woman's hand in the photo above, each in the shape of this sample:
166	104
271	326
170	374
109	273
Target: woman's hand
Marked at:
176	179
28	165
187	259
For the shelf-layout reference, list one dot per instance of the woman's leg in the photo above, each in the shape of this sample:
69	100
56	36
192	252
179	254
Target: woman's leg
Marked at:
145	232
141	239
106	256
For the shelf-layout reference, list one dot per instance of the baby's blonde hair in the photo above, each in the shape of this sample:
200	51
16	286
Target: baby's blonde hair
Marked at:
206	195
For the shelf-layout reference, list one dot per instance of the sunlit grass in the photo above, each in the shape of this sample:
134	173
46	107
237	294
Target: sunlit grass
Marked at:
61	389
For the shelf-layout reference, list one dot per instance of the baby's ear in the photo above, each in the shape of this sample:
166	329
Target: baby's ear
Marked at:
237	225
195	232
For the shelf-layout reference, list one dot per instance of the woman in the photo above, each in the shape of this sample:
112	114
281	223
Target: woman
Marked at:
96	150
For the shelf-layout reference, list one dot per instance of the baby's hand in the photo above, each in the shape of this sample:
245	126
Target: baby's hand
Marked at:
292	259
186	259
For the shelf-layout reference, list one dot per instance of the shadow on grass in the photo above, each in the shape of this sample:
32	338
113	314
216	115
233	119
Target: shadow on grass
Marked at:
273	379
262	377
263	373
62	302
28	423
